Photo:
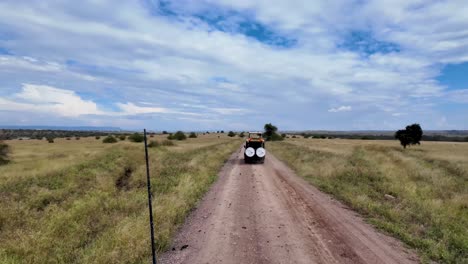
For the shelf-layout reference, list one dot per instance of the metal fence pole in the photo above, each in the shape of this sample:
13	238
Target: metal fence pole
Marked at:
150	206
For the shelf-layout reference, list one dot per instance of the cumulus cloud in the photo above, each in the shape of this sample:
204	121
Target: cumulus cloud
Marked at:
49	99
67	103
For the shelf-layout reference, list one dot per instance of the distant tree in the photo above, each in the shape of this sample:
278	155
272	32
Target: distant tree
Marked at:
109	139
4	151
270	133
179	135
123	137
136	137
283	135
98	137
207	132
77	138
165	132
222	132
68	138
231	134
411	135
242	134
50	139
193	135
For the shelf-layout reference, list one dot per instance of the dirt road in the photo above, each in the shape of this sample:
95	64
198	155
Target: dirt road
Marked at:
264	213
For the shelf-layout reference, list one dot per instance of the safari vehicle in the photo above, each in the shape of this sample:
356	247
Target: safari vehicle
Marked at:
254	148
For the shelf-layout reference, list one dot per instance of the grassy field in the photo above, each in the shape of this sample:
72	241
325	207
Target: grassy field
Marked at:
419	195
82	201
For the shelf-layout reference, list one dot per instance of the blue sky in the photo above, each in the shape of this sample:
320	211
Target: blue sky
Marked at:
212	65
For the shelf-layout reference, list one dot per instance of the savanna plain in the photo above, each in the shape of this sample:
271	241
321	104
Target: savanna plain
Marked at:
83	201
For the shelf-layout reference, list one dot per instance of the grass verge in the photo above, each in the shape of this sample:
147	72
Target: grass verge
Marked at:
95	210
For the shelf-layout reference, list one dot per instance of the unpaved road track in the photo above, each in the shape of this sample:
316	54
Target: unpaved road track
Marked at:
264	213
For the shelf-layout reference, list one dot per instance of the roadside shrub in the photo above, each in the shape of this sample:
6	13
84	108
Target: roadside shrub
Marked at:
270	133
231	134
98	137
154	144
4	151
122	137
110	139
167	143
193	135
136	137
179	135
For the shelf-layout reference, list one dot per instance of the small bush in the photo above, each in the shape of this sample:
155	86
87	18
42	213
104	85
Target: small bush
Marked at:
193	135
4	151
283	135
270	133
165	132
136	137
152	135
50	140
122	137
294	136
179	135
153	144
167	143
242	134
68	138
98	137
110	139
231	134
77	138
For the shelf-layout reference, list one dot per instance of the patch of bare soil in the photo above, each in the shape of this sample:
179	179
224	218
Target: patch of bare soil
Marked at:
264	213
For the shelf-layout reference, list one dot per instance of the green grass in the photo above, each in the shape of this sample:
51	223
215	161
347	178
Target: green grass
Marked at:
89	205
429	183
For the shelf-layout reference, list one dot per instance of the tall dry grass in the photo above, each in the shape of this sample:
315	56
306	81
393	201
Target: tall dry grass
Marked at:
429	183
86	202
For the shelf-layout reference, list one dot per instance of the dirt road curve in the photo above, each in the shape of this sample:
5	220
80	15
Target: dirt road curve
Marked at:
266	214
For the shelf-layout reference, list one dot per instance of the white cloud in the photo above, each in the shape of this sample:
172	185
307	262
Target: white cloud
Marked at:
132	109
62	102
343	108
131	54
49	99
